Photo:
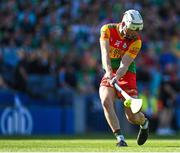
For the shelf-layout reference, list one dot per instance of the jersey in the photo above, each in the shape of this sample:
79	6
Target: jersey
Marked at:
120	45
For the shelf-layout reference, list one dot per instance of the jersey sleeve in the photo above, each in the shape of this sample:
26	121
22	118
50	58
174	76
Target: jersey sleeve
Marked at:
104	32
134	48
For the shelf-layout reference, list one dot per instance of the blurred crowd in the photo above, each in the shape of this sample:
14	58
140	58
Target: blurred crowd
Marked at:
60	38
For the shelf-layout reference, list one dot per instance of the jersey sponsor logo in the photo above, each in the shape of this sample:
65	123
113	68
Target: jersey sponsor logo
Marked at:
116	53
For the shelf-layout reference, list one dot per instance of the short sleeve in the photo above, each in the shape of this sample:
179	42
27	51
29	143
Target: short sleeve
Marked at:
104	32
134	48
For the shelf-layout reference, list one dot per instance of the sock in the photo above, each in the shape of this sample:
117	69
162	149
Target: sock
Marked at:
144	125
118	135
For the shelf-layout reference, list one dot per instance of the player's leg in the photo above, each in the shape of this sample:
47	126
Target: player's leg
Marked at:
139	119
107	96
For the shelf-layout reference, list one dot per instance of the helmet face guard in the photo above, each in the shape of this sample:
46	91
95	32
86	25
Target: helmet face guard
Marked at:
135	26
133	20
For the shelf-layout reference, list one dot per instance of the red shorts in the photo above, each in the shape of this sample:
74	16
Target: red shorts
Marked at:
127	83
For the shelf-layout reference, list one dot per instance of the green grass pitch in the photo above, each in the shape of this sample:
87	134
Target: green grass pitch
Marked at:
86	144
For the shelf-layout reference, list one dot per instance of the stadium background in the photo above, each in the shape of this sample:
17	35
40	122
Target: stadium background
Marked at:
50	65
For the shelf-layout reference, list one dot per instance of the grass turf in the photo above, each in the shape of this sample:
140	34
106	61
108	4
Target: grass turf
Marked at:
86	144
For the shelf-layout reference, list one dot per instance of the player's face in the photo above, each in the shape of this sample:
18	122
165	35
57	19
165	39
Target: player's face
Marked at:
130	34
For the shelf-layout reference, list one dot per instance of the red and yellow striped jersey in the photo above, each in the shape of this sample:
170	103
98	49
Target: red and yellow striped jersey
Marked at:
120	45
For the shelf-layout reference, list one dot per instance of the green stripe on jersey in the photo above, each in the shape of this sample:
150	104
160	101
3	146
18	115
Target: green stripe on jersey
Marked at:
115	62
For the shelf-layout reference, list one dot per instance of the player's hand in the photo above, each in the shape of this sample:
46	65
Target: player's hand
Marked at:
109	76
113	80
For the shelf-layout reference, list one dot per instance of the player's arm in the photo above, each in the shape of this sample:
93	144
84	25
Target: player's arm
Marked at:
128	58
105	55
104	44
124	65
